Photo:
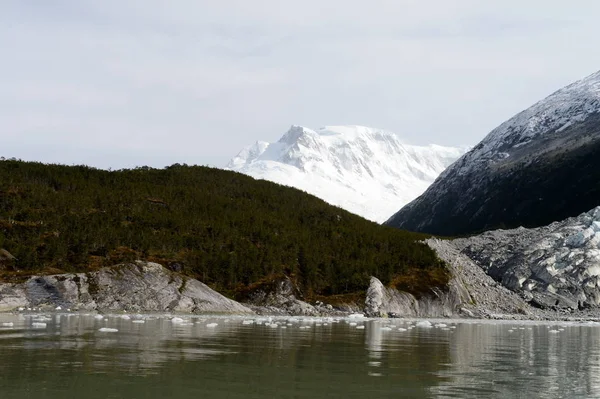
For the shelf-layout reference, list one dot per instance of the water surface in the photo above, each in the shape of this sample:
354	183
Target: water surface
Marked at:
156	356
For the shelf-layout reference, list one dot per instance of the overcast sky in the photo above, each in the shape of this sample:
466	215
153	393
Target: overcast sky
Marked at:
120	83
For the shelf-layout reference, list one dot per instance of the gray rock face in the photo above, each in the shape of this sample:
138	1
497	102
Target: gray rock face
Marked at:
556	266
470	293
481	295
133	287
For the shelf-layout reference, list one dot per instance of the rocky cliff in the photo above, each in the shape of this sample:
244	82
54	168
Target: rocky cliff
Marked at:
136	287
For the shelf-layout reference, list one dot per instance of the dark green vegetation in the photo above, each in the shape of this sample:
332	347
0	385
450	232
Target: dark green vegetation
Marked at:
558	178
226	229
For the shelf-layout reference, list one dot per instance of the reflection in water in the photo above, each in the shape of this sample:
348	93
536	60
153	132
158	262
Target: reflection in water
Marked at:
57	356
548	361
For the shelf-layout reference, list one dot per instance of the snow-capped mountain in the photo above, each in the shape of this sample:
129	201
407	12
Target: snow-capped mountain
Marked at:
538	167
363	170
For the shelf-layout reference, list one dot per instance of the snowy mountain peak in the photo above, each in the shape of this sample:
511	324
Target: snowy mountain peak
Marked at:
365	170
297	133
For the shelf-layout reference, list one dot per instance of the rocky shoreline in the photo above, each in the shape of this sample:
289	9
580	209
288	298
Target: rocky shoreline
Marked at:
149	287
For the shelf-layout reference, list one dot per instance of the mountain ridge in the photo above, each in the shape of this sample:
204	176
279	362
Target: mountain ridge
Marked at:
361	169
516	174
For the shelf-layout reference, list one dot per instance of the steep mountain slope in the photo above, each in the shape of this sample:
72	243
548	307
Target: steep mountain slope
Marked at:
226	229
363	170
543	165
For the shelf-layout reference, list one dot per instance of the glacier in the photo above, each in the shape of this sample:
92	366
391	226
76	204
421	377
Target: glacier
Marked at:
364	170
555	265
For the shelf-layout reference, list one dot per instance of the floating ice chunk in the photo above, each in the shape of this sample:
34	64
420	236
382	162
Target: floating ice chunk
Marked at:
246	322
356	316
211	325
98	317
352	324
39	325
105	329
441	325
424	324
553	331
58	308
386	329
125	317
402	329
8	324
139	321
21	309
360	327
177	320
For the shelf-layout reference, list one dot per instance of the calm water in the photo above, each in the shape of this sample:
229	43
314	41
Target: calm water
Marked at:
70	357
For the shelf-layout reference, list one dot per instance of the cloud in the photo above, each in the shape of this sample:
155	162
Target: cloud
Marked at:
195	81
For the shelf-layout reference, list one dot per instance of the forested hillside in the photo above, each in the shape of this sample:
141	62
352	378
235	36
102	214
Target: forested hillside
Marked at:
224	228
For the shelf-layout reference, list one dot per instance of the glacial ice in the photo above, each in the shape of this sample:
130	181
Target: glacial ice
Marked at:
424	324
109	330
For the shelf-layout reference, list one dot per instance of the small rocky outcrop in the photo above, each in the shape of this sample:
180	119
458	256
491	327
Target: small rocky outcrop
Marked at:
383	301
278	297
139	286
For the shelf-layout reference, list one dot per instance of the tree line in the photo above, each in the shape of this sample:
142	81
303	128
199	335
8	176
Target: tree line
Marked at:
224	228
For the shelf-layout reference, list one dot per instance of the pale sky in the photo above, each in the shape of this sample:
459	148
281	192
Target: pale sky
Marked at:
122	83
